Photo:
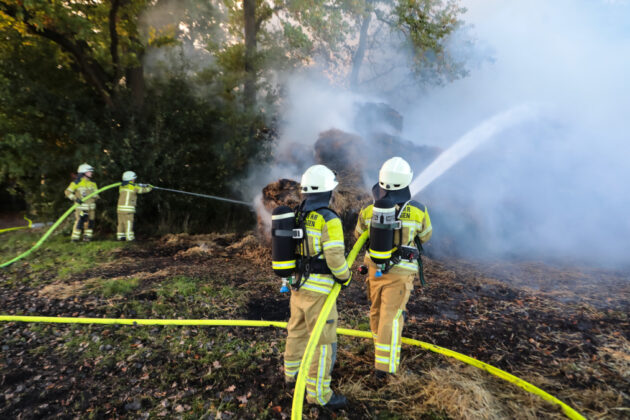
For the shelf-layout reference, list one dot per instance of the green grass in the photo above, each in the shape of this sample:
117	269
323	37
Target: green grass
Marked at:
57	258
119	287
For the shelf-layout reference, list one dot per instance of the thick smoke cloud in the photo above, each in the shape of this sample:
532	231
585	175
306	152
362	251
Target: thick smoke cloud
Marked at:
555	187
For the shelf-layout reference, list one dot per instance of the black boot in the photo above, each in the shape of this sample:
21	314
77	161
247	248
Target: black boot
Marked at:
381	376
336	402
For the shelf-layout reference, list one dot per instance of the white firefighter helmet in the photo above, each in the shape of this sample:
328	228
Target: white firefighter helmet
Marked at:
129	176
85	167
395	174
318	178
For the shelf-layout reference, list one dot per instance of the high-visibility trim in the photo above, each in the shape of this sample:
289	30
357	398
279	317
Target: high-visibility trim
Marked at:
312	232
427	230
321	373
282	216
413	266
382	347
291	372
313	288
279	265
340	270
395	345
333	244
382	360
380	254
320	279
317	246
292	363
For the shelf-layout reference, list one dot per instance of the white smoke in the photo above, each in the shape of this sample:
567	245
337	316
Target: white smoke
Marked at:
557	187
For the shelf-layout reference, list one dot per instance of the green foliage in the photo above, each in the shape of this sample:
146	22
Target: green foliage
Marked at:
179	129
171	90
426	24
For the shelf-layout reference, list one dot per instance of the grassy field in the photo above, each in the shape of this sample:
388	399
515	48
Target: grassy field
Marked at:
97	371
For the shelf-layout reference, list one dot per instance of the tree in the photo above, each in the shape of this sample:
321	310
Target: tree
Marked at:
74	88
394	34
99	40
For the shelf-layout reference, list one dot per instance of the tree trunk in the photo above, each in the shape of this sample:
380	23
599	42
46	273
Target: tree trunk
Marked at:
135	82
357	59
249	15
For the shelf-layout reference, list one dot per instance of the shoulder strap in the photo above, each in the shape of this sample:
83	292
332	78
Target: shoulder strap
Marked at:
401	209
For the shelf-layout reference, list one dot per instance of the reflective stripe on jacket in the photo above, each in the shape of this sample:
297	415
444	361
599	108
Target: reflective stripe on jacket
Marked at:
415	222
324	234
128	197
81	189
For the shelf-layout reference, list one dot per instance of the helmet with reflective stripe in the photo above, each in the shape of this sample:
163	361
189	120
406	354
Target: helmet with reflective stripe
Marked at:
318	178
85	167
395	174
129	176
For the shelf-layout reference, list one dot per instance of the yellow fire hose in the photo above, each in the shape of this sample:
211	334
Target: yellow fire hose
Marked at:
300	384
298	397
56	224
568	411
30	223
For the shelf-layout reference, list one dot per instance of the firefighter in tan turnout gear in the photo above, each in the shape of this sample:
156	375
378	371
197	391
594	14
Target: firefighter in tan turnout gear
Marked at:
319	263
398	226
126	208
85	213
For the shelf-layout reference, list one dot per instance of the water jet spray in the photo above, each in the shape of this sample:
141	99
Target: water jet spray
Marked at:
469	142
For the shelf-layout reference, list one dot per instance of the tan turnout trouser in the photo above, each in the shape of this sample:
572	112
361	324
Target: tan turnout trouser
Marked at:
84	222
389	295
305	308
125	226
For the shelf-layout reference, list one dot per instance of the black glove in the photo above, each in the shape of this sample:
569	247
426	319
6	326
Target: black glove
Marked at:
78	201
344	283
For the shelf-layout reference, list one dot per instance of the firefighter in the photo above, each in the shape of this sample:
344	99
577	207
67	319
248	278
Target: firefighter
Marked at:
85	213
390	284
321	263
126	209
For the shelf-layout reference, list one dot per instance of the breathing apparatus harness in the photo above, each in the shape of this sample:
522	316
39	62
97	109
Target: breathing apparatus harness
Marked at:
383	250
288	238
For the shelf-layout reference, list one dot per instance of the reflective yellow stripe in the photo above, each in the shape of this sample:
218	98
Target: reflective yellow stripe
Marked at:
313	288
408	265
333	244
395	346
321	372
380	254
278	265
382	347
340	270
